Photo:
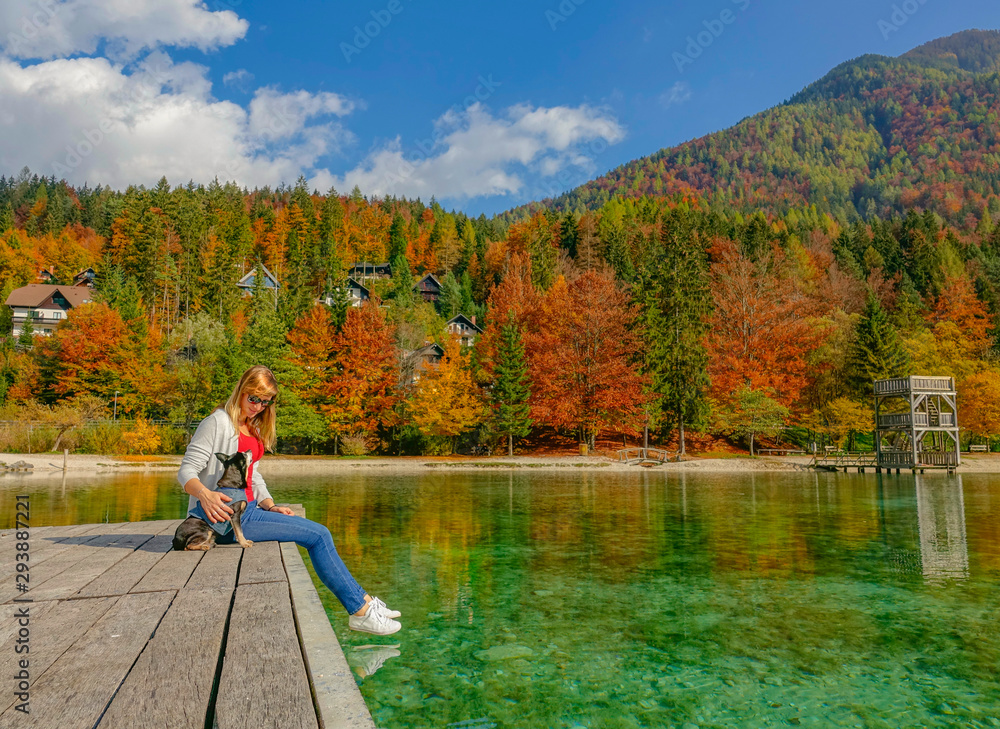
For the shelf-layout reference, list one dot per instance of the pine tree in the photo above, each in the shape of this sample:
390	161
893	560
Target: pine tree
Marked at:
397	238
677	304
264	338
450	302
876	353
402	282
511	387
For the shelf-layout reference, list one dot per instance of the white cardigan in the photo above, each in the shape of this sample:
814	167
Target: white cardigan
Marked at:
215	434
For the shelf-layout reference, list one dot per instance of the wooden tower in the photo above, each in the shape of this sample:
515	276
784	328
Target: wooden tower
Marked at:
916	423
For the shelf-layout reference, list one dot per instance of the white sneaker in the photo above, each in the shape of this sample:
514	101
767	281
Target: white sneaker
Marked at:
385	608
373	621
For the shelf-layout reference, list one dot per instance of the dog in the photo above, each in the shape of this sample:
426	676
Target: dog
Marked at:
195	532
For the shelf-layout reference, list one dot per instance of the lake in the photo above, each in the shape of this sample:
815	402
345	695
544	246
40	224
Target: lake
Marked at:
595	599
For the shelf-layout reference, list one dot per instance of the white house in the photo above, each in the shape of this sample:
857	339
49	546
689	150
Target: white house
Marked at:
465	327
45	305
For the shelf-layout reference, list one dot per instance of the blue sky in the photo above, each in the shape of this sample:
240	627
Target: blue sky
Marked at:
485	106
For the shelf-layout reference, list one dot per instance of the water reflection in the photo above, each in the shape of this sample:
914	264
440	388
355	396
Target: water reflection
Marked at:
365	660
648	598
944	548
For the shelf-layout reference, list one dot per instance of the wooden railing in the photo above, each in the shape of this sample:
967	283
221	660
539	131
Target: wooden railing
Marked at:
903	420
938	459
896	458
845	459
638	455
914	383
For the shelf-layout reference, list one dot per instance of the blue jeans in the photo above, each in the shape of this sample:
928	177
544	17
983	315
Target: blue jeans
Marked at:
270	526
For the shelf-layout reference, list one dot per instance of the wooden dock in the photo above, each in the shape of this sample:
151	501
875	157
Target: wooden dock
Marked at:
124	633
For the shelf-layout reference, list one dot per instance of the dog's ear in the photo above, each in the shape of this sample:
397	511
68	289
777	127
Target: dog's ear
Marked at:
249	457
222	457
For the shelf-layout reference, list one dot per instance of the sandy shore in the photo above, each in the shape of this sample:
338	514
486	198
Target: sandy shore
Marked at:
46	465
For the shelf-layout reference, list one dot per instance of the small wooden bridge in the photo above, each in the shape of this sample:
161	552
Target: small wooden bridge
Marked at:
838	460
125	633
645	456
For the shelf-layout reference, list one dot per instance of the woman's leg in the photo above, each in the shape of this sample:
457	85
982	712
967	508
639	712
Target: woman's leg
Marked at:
268	526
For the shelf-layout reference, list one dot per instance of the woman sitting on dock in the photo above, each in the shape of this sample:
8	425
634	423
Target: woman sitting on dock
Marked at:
246	422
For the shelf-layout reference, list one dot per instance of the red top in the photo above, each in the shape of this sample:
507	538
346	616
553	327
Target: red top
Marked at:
256	448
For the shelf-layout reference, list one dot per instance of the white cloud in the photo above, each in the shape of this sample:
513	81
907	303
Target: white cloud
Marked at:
274	115
476	154
86	119
238	79
46	29
676	94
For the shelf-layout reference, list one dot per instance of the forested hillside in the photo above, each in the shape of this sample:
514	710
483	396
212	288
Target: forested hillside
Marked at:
877	136
766	315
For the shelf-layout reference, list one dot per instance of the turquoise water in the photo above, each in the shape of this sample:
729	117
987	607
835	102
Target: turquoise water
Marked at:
602	600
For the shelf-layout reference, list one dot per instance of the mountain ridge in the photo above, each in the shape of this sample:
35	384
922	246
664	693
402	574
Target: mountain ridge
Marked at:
875	136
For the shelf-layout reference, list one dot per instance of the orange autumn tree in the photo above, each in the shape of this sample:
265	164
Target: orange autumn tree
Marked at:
313	341
979	404
762	328
513	300
360	392
94	351
446	402
583	357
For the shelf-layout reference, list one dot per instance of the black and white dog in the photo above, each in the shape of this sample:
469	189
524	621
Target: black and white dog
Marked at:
195	532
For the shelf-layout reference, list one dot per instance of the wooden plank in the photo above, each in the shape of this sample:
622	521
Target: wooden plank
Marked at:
338	698
9	623
170	685
172	572
75	690
54	627
169	526
217	568
262	563
41	547
264	683
55	566
122	577
104	553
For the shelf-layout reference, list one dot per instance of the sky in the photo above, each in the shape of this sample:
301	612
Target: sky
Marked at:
484	106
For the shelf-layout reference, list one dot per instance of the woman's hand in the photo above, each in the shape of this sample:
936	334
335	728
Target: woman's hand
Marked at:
282	510
213	502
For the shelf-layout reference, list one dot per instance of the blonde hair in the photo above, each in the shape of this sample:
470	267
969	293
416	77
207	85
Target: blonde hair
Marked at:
258	380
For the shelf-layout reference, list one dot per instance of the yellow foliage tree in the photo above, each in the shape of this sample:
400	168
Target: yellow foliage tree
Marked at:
841	418
143	437
446	402
979	403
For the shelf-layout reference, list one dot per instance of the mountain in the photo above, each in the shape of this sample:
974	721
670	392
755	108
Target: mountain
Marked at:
875	136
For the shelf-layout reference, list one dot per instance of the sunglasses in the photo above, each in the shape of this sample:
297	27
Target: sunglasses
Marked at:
257	401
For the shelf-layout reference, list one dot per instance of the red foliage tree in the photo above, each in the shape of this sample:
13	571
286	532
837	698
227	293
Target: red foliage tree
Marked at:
360	392
583	357
762	328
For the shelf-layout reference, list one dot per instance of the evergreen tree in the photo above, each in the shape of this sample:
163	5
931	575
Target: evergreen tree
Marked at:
511	387
27	336
450	302
876	353
264	338
397	239
677	304
402	282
